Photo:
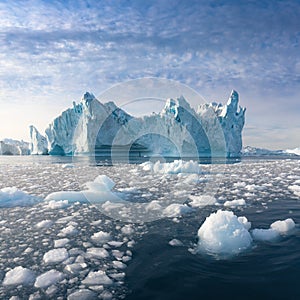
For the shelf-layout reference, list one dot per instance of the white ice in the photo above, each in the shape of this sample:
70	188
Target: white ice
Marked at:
49	278
55	256
97	252
19	276
61	242
101	237
175	167
82	294
202	200
96	191
44	224
11	197
176	210
283	226
296	189
235	203
222	233
97	278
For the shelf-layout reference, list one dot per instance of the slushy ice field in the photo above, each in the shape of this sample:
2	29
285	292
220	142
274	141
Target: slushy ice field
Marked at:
179	230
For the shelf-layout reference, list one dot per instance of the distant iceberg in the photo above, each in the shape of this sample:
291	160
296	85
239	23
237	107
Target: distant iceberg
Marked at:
14	147
253	151
93	127
295	151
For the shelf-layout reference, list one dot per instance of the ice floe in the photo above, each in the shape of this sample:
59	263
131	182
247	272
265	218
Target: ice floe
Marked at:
96	278
235	203
11	197
48	278
96	191
101	237
201	200
19	276
55	256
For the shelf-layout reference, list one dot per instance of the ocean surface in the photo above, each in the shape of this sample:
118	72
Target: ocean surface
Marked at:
137	259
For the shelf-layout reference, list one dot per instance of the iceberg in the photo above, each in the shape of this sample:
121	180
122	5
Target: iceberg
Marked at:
231	118
14	147
92	127
38	144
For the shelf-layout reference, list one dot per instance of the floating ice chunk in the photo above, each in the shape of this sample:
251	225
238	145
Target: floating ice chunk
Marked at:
28	250
222	233
12	197
235	203
254	187
175	167
284	226
117	254
49	278
75	268
52	204
97	252
127	229
67	166
64	220
104	183
19	276
97	191
109	206
239	184
176	210
175	243
129	190
115	244
96	223
264	234
70	196
245	222
191	179
83	294
96	278
44	224
119	264
101	237
61	243
55	256
106	295
68	231
296	189
202	200
153	205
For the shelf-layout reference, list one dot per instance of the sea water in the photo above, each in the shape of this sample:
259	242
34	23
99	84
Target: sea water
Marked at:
98	255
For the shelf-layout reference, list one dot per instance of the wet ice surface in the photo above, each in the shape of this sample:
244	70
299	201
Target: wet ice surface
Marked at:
75	250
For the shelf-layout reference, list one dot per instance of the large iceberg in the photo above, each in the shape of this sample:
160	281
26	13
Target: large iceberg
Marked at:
179	130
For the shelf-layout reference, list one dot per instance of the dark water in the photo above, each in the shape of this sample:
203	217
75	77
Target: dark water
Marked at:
267	271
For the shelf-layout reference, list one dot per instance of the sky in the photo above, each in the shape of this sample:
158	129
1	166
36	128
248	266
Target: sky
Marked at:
51	52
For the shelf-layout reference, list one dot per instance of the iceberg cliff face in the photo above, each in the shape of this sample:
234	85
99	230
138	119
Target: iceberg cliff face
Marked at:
38	144
178	130
230	117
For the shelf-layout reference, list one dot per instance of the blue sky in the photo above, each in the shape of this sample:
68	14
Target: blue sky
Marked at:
51	52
